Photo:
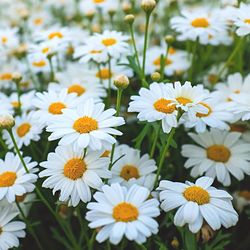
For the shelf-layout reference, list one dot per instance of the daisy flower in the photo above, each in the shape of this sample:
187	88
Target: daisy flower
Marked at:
217	117
176	63
242	199
73	173
242	19
197	202
198	24
39	62
50	104
130	168
123	212
113	43
26	129
6	107
105	76
88	125
8	38
14	180
156	104
10	231
219	154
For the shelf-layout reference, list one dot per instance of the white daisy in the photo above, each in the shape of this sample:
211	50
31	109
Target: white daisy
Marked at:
73	173
88	125
196	203
14	180
10	231
8	38
123	212
242	19
242	105
217	117
50	104
156	103
130	168
219	154
26	129
6	107
38	62
198	24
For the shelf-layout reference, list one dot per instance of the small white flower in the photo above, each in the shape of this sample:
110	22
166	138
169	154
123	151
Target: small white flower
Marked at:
10	230
196	203
130	168
88	125
123	212
72	173
219	154
14	180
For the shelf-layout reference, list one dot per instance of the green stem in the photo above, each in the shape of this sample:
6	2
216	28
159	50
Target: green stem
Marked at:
118	108
231	57
91	242
17	150
194	51
163	154
109	88
52	73
145	43
19	111
29	227
152	151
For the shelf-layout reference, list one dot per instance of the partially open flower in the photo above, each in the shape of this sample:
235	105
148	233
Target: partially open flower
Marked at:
7	121
206	233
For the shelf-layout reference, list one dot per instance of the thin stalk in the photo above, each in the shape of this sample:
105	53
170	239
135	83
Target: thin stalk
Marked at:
152	151
17	150
194	51
231	57
145	43
91	242
29	227
118	108
52	73
19	110
109	88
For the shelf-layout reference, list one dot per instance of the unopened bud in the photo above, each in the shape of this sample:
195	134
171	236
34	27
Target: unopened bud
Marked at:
148	5
127	7
156	76
169	39
129	19
121	82
175	243
16	77
7	121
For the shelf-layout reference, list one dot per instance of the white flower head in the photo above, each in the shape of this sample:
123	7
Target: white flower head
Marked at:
123	212
197	202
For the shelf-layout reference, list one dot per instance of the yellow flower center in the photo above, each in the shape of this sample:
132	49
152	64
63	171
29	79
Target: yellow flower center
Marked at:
183	100
213	79
38	21
39	64
74	168
76	88
7	179
247	21
98	1
218	153
95	52
4	39
125	212
164	106
197	194
104	74
23	129
237	91
245	194
6	76
15	104
129	171
20	198
85	125
200	23
157	61
206	106
56	108
109	42
171	51
45	50
106	153
56	34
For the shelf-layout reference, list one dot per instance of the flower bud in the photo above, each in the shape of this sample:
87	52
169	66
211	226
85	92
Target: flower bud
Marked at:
156	76
175	243
148	5
126	7
121	82
169	39
129	19
7	121
16	77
